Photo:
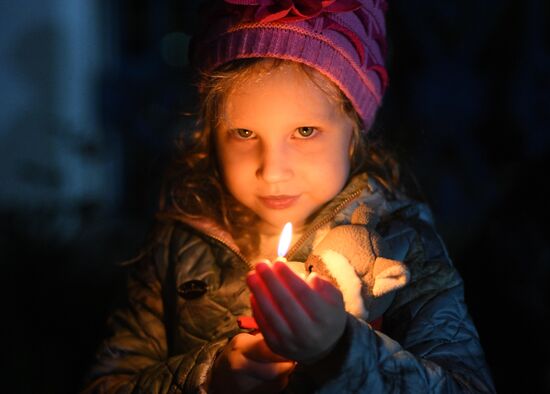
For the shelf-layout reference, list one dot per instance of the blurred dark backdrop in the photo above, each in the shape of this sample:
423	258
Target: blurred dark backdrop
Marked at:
92	95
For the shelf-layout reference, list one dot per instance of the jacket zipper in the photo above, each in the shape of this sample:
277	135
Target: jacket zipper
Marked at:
231	248
304	236
320	224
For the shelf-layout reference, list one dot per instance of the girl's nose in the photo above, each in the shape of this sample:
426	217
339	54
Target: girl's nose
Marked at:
274	164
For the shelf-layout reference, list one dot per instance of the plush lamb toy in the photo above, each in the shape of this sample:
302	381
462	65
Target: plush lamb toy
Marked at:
351	257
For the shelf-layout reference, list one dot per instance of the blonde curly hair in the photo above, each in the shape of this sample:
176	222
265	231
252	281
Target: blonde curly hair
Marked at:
193	185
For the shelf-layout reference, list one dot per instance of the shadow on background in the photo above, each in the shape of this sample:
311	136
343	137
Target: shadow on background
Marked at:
467	109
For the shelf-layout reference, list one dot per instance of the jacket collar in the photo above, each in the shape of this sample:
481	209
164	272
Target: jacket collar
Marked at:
361	189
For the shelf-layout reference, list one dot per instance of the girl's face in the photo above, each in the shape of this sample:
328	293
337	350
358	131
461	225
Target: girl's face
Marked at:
283	147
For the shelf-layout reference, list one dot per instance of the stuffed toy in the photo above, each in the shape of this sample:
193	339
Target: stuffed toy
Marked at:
352	258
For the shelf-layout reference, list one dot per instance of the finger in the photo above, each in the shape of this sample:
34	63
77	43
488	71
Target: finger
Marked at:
306	296
268	337
268	334
255	347
290	306
325	289
272	314
264	371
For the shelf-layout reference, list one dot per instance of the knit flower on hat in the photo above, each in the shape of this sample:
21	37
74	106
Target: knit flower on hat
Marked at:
311	11
265	11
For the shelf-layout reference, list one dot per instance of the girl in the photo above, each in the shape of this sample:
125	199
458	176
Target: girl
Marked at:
289	90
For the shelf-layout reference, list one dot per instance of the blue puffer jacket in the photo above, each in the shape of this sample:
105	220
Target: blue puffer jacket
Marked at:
187	288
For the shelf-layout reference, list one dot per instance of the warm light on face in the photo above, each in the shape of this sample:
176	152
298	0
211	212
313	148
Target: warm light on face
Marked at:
267	162
284	240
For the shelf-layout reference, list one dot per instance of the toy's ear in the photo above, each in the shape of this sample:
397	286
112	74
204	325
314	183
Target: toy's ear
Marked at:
365	216
389	275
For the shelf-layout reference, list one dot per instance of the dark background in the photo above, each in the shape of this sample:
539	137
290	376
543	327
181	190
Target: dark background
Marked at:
92	95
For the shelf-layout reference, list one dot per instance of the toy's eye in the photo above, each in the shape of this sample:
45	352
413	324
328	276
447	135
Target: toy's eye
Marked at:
306	132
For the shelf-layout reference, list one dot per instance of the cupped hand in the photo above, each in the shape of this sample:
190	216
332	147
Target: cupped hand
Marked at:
300	319
247	365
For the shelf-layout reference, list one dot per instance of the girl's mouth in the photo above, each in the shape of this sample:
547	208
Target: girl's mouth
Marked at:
278	202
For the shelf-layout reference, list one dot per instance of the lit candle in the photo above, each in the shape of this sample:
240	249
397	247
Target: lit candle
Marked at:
284	242
248	322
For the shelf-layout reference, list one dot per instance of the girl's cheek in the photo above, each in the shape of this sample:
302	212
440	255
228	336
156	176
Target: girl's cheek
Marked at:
313	150
239	146
239	153
241	159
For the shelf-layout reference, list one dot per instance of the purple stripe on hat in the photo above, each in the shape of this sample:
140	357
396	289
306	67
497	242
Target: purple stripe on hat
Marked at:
281	42
344	42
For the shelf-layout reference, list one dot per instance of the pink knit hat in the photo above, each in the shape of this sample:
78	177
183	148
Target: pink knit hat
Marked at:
343	39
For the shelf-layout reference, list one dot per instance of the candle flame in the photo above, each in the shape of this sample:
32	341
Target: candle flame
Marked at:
284	240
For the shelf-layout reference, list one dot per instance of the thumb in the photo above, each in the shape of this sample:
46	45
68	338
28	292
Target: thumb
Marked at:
256	349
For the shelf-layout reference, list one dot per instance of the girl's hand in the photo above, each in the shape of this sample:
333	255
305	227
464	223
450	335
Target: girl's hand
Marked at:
300	320
247	365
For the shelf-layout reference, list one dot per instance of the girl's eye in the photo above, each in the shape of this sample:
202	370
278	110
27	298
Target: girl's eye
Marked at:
243	133
306	132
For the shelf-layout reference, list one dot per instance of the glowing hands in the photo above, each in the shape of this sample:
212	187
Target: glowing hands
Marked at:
247	365
300	320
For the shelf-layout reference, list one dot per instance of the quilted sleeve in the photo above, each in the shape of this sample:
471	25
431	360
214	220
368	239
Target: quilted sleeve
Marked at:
429	343
134	359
